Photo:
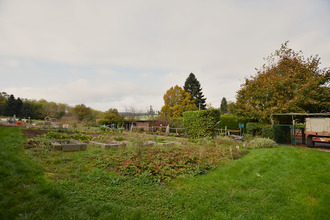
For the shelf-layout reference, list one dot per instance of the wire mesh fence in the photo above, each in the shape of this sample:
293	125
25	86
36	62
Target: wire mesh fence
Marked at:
284	134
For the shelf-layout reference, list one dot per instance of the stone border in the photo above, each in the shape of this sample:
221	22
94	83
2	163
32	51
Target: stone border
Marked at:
114	144
68	145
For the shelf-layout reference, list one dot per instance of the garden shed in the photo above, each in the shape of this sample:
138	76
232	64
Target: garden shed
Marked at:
289	128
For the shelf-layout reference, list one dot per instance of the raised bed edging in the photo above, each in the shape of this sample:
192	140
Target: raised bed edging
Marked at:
117	144
68	145
114	144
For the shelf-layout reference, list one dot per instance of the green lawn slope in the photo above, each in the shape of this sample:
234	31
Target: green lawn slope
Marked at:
276	183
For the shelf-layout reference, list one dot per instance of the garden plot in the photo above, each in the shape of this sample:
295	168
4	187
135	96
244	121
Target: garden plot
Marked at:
163	144
122	144
112	145
68	145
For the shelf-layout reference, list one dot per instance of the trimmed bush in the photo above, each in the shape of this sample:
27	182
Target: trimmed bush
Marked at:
231	121
259	129
201	123
262	143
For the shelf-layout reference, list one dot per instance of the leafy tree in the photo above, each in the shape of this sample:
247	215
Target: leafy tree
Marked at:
36	108
43	108
3	99
97	114
113	116
177	101
231	107
82	112
224	106
193	87
61	110
289	83
48	108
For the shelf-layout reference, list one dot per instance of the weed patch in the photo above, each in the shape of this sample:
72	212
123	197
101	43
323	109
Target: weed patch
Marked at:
163	163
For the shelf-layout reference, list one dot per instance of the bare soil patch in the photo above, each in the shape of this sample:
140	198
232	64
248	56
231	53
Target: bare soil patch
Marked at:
31	133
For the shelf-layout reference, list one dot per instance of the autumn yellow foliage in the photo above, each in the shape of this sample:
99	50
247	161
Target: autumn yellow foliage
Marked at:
177	101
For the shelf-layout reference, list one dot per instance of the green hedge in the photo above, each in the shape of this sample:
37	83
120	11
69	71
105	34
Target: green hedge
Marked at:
231	121
259	129
201	123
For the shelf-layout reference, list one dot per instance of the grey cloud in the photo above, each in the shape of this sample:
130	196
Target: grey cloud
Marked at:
221	41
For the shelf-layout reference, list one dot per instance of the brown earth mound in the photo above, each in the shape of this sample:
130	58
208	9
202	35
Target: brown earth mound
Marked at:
31	133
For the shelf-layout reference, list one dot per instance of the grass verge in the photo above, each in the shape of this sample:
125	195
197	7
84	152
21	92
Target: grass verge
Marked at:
276	183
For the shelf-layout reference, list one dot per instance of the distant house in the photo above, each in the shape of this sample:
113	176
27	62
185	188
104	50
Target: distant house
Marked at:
143	124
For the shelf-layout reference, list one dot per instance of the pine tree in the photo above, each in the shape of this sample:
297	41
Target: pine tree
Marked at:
224	106
27	111
193	87
10	106
18	107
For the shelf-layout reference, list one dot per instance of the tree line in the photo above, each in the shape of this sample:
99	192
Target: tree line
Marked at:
26	108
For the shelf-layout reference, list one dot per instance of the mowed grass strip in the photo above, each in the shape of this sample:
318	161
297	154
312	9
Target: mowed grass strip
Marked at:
277	183
24	193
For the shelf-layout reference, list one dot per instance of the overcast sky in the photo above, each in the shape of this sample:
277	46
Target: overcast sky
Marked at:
115	54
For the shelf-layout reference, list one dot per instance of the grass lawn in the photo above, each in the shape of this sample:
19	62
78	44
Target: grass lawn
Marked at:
276	183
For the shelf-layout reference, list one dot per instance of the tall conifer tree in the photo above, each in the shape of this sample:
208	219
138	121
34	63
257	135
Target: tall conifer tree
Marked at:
193	87
224	106
10	106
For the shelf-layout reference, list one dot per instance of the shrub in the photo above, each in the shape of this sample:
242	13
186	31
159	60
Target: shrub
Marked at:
231	121
37	142
224	140
254	128
262	143
267	132
119	138
259	129
163	163
248	137
103	122
201	123
176	122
